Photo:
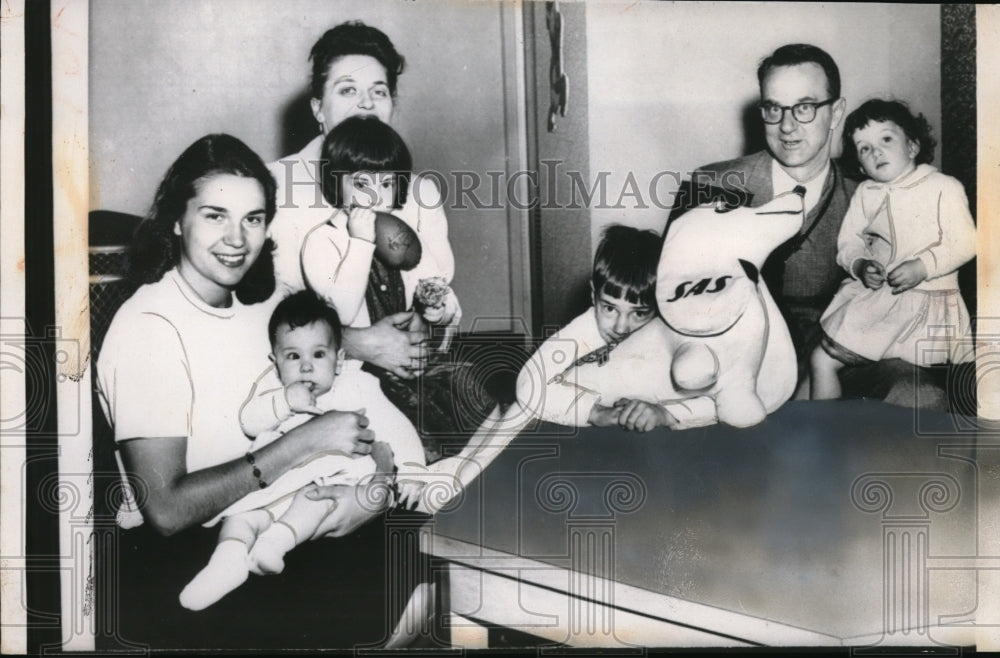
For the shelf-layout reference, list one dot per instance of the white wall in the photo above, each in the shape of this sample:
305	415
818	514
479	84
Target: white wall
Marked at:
669	82
165	72
665	88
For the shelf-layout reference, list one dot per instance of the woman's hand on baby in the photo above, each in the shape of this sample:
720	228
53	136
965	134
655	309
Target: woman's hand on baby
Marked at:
642	416
343	431
356	505
871	273
361	223
301	399
352	507
907	275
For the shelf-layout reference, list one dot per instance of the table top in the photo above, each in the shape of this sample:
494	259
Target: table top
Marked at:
804	520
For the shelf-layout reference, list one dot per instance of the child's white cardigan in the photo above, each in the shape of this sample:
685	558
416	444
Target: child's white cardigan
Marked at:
928	218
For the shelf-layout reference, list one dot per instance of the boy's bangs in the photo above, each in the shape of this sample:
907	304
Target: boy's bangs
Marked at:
627	291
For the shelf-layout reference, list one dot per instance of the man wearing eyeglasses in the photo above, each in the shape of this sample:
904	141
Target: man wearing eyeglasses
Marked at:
800	106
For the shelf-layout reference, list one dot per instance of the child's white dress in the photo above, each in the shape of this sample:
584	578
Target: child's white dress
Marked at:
353	389
921	215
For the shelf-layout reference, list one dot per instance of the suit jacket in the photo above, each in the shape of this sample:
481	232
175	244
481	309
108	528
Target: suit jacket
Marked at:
804	270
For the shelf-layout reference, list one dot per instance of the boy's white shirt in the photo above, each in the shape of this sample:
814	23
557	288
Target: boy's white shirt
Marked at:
548	390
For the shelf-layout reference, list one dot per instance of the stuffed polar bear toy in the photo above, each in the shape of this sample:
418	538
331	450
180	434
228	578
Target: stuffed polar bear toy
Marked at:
721	350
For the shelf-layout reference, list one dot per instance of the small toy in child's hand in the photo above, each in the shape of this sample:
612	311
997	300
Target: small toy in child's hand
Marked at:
432	292
436	302
396	244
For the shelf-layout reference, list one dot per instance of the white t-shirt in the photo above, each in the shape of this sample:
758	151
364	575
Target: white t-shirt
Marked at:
171	365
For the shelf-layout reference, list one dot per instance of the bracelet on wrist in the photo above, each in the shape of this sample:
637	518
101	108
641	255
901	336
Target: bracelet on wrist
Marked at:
256	471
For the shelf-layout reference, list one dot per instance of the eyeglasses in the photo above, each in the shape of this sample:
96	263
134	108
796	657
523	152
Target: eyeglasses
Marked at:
803	112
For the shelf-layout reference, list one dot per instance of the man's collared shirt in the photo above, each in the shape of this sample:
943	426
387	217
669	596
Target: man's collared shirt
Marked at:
782	182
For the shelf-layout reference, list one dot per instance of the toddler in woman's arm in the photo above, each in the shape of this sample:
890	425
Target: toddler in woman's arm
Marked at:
259	529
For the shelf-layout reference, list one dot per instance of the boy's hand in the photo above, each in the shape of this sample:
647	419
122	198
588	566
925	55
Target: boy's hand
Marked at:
642	416
601	416
871	273
301	398
907	275
361	223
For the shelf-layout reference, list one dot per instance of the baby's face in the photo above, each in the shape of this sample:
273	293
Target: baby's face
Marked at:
617	318
306	354
366	189
884	150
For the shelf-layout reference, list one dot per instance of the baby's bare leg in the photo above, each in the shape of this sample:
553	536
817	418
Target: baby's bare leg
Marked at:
824	383
292	528
228	568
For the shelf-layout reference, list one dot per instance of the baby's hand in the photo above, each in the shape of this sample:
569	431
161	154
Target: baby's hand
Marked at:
907	275
301	398
871	273
641	416
361	223
601	416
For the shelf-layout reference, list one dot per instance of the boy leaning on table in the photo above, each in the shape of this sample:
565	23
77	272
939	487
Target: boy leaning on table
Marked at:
623	286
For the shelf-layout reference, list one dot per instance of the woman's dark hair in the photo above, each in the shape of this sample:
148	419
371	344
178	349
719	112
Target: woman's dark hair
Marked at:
914	127
802	53
625	264
363	143
354	38
156	248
